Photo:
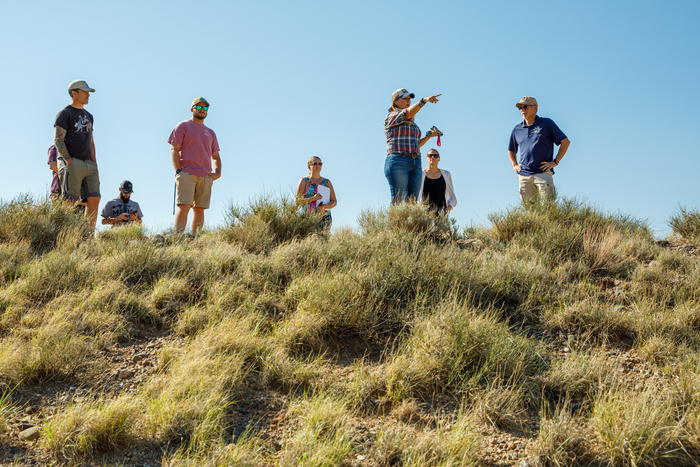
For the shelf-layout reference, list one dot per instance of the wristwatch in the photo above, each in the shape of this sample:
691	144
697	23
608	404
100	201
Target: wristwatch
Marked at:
178	171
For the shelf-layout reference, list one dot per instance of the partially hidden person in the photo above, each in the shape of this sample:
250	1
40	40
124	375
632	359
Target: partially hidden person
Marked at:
77	161
55	190
436	186
194	151
535	138
122	210
402	166
309	194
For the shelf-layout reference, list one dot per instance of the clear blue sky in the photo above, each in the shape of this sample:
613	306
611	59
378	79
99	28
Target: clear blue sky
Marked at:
287	80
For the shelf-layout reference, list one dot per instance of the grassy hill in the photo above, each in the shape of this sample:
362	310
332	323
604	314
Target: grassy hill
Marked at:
557	335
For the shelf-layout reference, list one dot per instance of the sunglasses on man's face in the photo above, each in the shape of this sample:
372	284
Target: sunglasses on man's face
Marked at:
201	107
437	156
525	106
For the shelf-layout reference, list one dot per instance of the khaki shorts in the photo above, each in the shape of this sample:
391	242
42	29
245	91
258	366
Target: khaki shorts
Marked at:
79	179
534	185
193	190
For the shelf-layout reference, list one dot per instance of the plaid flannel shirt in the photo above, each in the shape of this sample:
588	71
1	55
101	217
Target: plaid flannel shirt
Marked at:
55	183
402	135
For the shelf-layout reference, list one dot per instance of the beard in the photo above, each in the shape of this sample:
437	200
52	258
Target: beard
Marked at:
124	200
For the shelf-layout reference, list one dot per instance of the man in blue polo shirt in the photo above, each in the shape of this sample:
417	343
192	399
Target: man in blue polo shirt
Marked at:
535	138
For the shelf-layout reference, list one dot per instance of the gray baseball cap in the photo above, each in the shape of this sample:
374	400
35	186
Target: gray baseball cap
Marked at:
401	94
80	84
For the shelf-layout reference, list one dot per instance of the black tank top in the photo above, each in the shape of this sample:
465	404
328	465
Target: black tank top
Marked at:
434	191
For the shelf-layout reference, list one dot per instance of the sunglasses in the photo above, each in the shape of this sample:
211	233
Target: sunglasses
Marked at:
525	106
317	163
434	155
201	107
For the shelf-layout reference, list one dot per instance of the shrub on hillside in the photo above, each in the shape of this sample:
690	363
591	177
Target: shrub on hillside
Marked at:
267	222
686	223
39	222
569	230
408	217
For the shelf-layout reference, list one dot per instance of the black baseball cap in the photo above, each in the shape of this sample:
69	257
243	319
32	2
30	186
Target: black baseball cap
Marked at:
126	187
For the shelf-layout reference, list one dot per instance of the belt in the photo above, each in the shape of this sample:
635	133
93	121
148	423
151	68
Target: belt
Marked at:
412	155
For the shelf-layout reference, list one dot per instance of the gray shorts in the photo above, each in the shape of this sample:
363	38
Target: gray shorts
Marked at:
78	176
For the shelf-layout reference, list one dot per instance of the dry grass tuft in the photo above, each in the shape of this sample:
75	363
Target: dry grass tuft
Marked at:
82	430
322	433
563	439
267	222
452	443
408	218
39	222
500	406
639	428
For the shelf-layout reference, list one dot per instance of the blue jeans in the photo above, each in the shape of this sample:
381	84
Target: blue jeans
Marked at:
326	221
404	176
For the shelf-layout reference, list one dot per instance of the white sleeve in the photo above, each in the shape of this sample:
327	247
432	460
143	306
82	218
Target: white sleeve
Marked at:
450	197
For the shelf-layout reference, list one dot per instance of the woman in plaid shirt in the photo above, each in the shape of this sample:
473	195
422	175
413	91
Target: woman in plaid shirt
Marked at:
402	167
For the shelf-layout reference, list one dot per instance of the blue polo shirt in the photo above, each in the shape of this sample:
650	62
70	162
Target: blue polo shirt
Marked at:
535	143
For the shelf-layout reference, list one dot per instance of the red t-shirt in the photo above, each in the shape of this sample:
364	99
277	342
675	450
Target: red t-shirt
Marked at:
197	143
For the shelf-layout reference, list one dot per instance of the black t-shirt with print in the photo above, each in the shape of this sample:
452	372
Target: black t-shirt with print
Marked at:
78	126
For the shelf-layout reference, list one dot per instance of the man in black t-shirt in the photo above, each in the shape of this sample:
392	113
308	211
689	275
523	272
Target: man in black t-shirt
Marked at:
76	150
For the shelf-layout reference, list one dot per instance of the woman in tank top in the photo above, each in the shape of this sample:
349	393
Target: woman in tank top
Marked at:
436	188
308	193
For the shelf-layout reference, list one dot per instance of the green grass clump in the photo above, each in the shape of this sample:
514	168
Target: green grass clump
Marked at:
8	409
686	223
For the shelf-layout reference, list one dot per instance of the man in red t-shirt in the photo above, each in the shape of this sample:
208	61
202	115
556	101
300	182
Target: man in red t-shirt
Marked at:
194	150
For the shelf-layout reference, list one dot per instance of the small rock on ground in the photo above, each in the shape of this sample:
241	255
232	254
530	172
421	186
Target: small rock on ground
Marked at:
30	434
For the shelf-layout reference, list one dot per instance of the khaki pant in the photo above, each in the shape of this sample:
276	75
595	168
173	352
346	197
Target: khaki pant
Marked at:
534	185
193	190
